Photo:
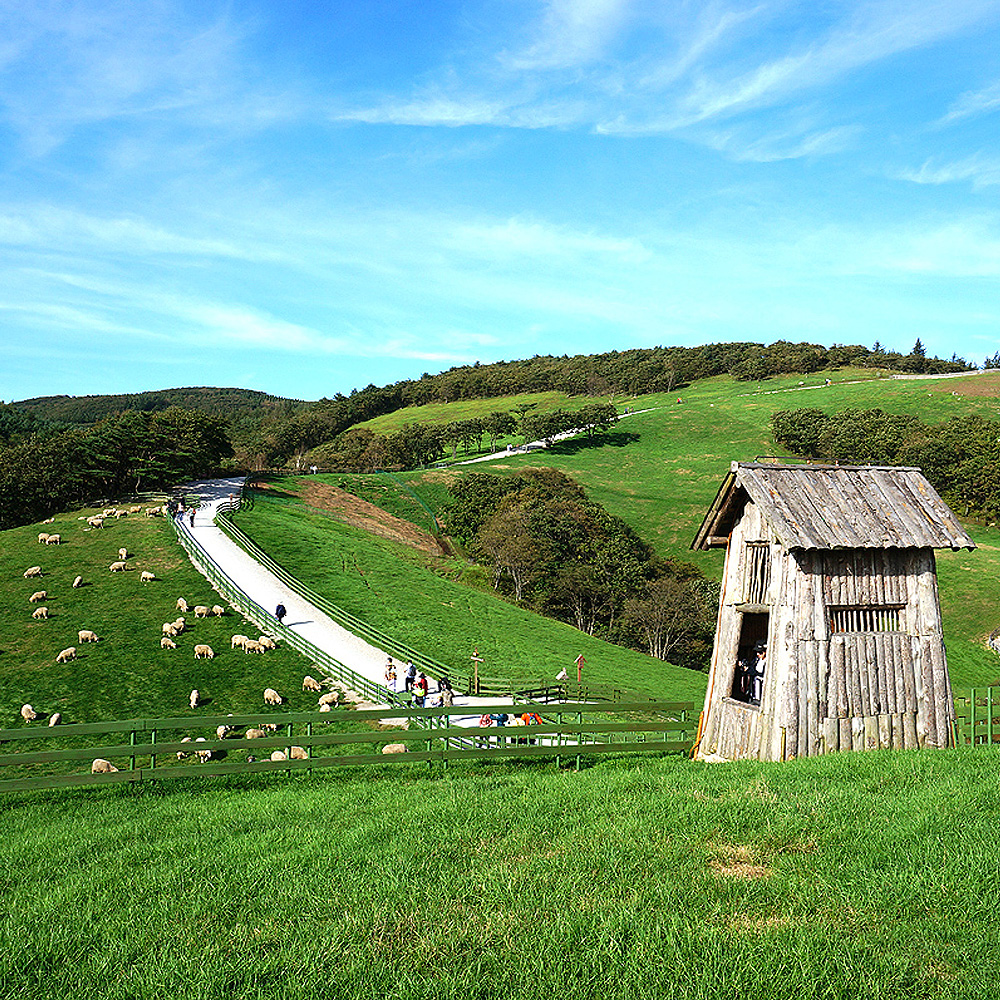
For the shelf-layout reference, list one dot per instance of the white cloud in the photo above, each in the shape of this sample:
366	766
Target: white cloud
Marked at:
980	171
974	103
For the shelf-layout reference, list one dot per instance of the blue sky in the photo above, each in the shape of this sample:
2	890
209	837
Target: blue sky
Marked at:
304	198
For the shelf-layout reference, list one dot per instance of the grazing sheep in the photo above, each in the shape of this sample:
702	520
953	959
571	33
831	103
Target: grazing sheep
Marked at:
254	734
193	699
48	520
38	595
238	640
95	522
123	554
181	754
110	512
279	755
151	511
43	536
167	643
55	719
135	510
310	684
69	653
32	571
394	748
42	612
77	582
203	755
222	732
53	539
102	766
85	635
218	610
146	576
252	646
200	611
182	605
28	713
179	623
269	727
299	753
267	642
330	698
326	708
121	513
169	629
271	697
117	567
203	652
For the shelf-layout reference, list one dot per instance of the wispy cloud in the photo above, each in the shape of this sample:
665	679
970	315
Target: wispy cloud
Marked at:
981	171
974	103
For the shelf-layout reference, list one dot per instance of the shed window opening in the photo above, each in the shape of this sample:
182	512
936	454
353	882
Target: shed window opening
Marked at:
886	618
757	577
748	675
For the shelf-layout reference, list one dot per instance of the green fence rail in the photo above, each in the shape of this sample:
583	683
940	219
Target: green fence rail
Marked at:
977	717
155	749
263	619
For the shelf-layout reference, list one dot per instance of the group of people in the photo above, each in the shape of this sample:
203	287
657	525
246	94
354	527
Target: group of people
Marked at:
416	683
749	681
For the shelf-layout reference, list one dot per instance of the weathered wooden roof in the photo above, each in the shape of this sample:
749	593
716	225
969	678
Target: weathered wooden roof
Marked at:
835	507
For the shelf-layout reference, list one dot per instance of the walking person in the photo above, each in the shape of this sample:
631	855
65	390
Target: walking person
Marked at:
279	613
411	675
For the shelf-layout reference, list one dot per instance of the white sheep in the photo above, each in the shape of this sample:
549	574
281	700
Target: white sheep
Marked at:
102	766
223	731
218	610
310	684
267	642
135	510
54	719
394	748
169	629
167	643
201	611
252	646
299	753
85	635
181	754
179	623
95	522
326	708
39	613
254	734
203	755
271	697
53	539
117	567
43	536
182	605
203	652
238	640
69	653
193	699
330	698
123	554
278	755
32	571
269	727
48	520
146	576
38	595
28	713
77	582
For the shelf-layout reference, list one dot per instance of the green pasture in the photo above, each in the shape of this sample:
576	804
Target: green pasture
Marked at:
126	674
428	604
870	874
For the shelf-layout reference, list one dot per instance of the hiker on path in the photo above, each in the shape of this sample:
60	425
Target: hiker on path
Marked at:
279	613
411	675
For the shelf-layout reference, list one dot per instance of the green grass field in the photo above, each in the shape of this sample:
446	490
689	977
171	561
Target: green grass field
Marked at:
868	875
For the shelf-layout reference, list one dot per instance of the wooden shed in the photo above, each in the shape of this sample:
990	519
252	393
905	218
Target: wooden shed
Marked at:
832	569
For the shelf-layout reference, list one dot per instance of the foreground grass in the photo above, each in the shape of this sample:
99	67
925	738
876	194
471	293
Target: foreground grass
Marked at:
864	874
394	589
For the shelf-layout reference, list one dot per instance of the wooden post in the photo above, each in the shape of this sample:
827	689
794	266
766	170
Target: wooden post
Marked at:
476	660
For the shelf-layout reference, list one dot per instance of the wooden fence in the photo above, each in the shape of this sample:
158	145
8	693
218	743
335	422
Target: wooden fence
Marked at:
977	717
147	749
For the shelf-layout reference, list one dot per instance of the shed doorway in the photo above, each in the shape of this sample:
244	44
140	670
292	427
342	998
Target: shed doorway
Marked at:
753	629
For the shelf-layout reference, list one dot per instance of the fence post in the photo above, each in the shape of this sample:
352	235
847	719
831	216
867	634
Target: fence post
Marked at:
152	756
131	743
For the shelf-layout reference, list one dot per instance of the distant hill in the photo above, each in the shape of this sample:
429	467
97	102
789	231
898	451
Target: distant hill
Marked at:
227	403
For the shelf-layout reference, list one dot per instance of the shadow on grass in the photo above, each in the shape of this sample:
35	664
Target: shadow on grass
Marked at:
612	439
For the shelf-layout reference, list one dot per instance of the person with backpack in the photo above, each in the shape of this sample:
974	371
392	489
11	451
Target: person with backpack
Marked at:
279	613
411	676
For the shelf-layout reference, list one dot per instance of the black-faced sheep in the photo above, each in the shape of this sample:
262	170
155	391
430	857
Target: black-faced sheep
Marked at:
146	576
